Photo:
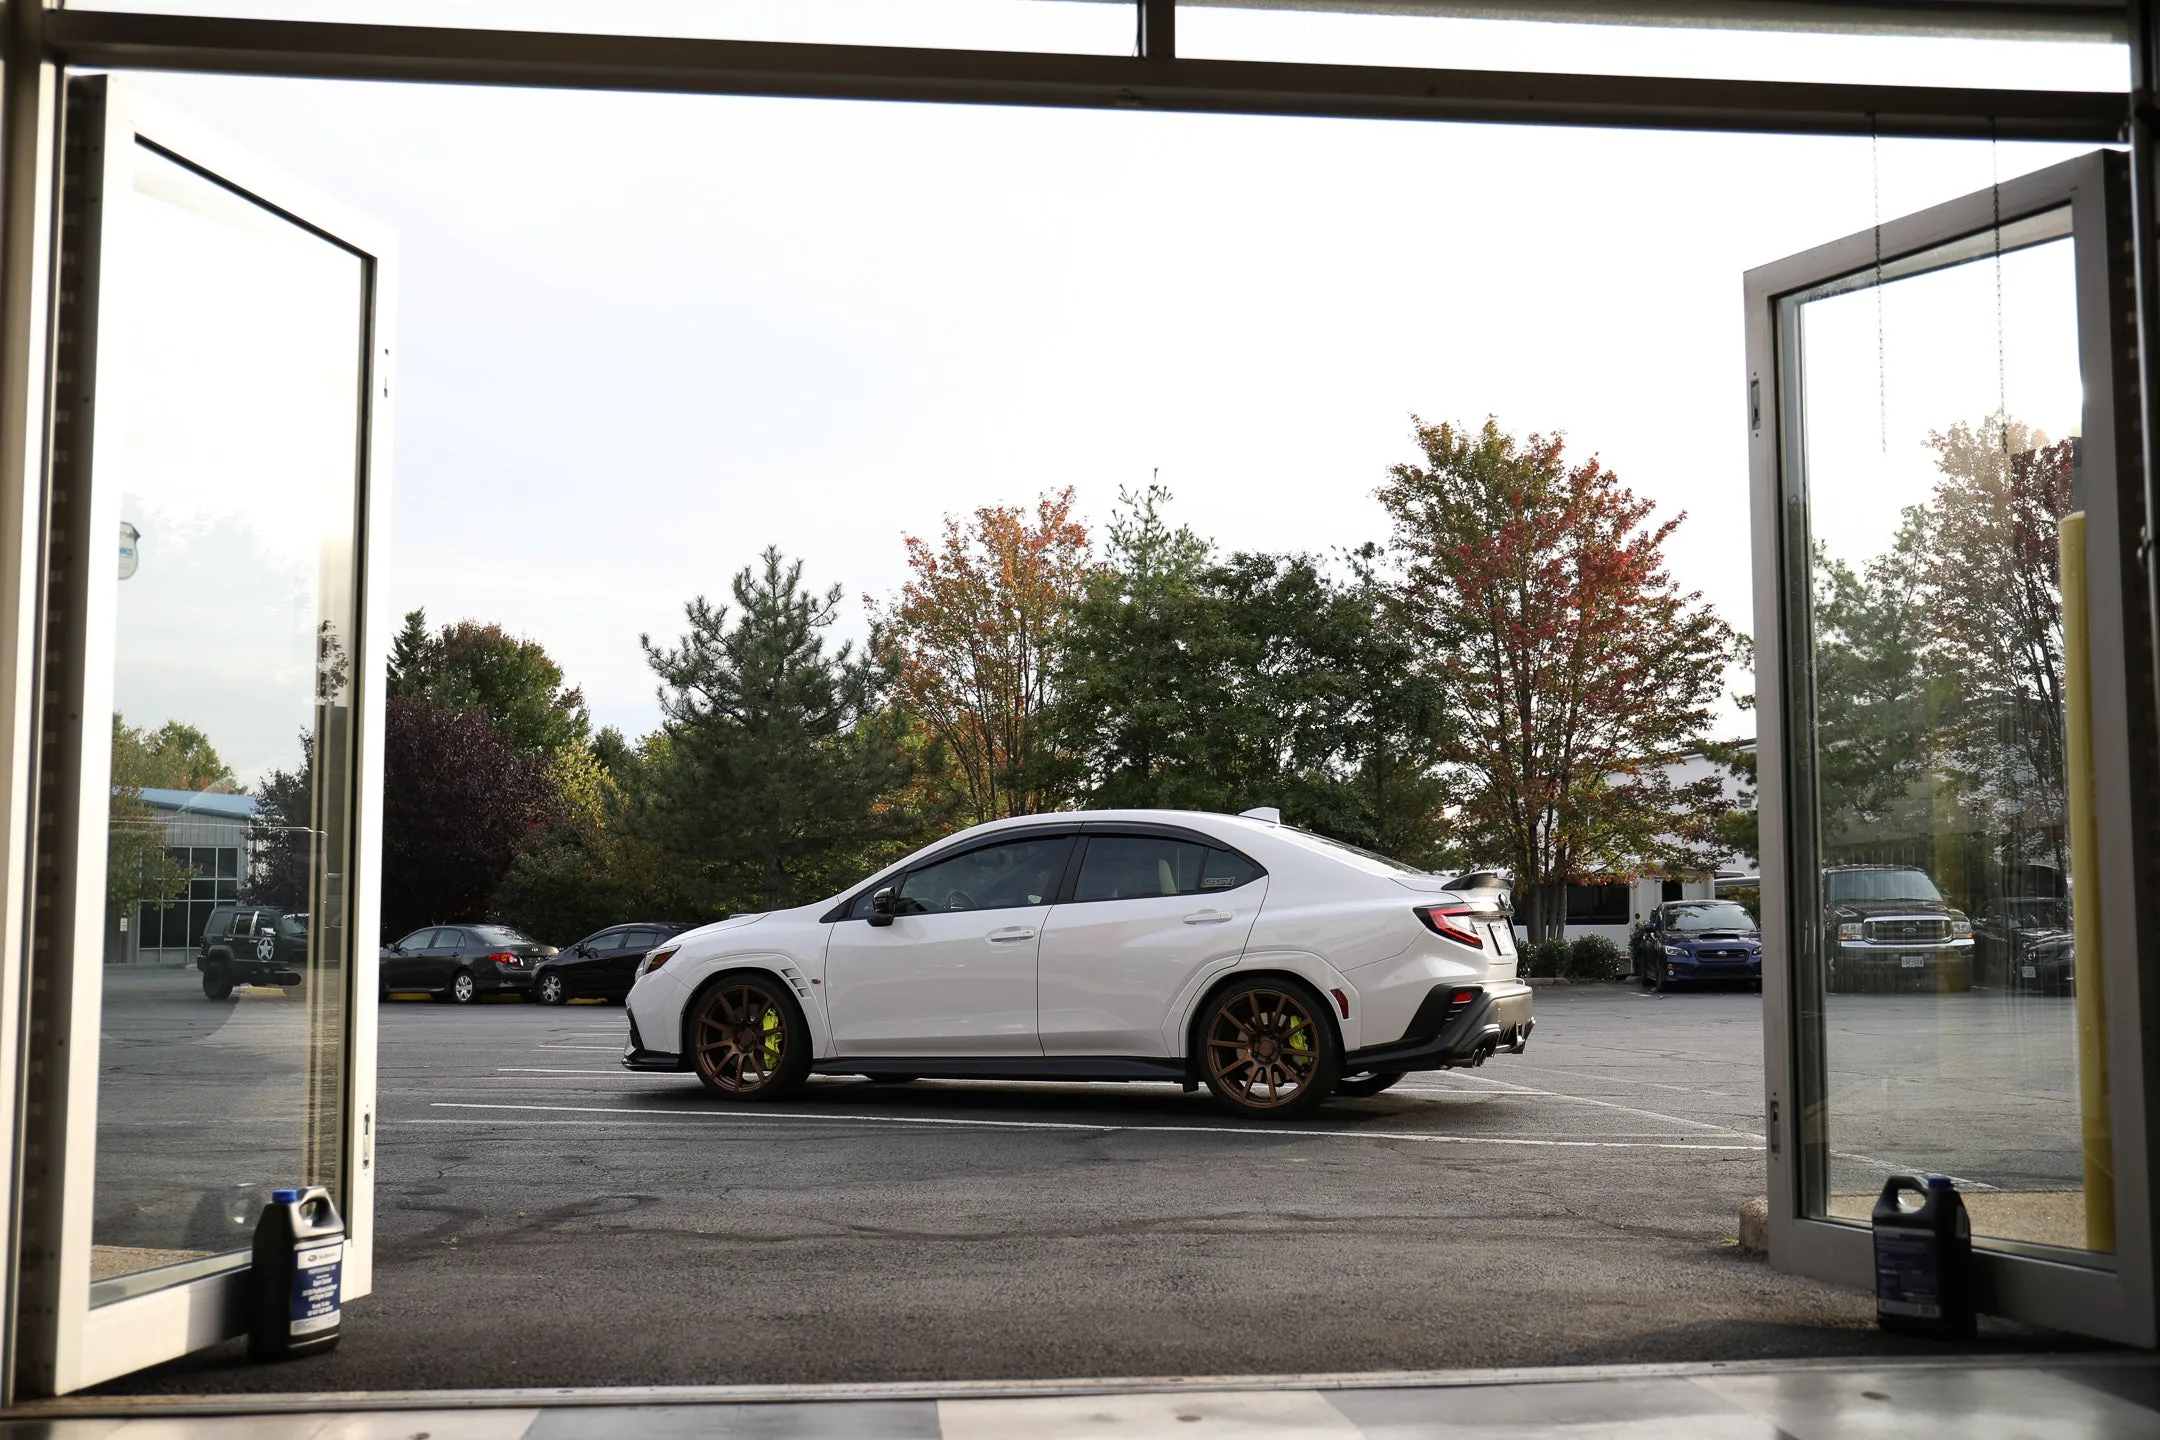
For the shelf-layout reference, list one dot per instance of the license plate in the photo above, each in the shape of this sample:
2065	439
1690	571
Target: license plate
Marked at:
1912	962
1503	938
2029	972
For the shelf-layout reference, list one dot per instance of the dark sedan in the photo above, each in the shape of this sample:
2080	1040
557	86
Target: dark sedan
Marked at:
2023	943
1692	941
600	966
460	963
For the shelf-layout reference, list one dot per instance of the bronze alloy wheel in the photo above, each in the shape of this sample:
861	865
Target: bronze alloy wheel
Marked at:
748	1040
1269	1049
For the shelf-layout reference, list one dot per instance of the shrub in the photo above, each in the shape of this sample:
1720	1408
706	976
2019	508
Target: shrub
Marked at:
1593	957
1546	960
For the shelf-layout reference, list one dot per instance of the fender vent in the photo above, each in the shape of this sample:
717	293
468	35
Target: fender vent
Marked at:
794	978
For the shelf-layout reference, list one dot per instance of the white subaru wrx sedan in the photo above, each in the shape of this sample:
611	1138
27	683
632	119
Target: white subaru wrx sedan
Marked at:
1272	965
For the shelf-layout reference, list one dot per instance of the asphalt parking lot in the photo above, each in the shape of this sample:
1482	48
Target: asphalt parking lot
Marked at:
547	1218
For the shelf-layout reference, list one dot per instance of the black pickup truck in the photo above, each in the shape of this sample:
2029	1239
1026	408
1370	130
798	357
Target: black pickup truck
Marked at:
1888	927
252	945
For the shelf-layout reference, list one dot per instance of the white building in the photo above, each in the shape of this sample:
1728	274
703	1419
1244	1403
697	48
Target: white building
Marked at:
209	834
1612	910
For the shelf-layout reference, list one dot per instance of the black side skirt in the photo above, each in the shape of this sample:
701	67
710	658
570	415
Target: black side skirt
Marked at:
1012	1067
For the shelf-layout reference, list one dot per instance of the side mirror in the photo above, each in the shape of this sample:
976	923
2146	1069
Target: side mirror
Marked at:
881	907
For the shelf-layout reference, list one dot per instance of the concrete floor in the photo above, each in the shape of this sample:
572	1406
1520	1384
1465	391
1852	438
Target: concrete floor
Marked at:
550	1219
2089	1398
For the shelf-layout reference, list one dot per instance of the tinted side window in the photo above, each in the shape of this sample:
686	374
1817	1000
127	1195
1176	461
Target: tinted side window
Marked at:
996	877
1130	867
416	941
1227	870
218	922
640	939
451	940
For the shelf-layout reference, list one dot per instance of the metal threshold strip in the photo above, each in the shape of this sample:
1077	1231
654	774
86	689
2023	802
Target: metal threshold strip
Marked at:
148	1406
314	49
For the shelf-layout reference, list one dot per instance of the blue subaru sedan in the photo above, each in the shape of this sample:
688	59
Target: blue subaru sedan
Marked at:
1687	942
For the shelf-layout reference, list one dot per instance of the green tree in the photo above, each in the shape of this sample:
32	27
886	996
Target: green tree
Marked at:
174	756
1145	672
1578	668
777	754
469	665
1872	697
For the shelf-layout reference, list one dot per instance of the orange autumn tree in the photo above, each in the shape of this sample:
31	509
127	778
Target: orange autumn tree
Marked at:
972	643
1539	589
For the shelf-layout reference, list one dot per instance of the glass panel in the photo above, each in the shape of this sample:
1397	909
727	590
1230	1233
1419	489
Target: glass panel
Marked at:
1381	34
997	877
1122	867
1076	27
1938	434
234	374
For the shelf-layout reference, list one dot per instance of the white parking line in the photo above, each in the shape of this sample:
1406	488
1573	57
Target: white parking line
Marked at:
1412	1137
1513	1089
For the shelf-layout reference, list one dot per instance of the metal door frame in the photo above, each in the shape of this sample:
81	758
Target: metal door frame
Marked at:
2113	1296
62	1341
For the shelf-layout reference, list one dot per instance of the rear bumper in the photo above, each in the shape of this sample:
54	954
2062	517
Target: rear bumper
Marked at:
1445	1034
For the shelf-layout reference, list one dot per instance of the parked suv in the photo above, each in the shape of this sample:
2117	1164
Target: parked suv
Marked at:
601	965
1886	926
252	945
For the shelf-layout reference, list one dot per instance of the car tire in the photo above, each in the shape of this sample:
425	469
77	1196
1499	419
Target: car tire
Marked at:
748	1040
463	989
550	988
1357	1087
217	982
1272	1032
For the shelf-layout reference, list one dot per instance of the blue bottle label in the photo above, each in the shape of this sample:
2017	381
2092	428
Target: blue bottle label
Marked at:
1908	1275
317	1271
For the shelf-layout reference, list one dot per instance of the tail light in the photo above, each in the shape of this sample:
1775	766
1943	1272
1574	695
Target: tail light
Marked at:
1450	922
504	957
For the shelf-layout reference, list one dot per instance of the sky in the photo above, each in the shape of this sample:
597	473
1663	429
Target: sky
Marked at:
643	337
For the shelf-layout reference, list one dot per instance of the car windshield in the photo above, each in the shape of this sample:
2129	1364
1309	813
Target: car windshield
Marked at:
502	935
1710	915
1882	885
2038	913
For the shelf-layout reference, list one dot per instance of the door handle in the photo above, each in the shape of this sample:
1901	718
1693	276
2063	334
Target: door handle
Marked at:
1207	917
1010	933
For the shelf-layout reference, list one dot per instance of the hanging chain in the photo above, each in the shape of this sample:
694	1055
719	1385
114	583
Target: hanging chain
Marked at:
1882	376
2002	349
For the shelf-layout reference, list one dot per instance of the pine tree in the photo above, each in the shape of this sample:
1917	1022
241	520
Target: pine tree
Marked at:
776	759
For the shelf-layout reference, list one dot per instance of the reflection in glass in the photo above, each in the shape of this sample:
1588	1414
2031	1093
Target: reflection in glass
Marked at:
1940	419
1466	36
232	366
1076	27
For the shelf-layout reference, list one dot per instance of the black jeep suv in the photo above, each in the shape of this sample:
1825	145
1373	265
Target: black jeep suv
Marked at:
1887	926
252	945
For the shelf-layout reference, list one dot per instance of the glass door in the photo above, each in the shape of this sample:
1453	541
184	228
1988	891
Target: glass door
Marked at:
203	952
1955	701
